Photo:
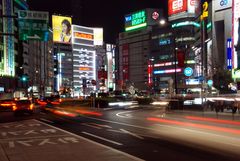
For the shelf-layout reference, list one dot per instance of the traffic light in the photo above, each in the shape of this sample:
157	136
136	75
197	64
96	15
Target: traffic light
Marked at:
24	78
180	58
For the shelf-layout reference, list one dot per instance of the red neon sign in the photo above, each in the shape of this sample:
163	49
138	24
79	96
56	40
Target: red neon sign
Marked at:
176	6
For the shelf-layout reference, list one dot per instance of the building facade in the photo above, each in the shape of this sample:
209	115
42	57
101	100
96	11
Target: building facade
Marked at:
84	60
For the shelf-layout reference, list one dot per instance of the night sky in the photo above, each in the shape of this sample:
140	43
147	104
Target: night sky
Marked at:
108	14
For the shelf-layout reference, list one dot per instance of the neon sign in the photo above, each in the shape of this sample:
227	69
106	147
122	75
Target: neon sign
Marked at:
136	20
83	35
167	71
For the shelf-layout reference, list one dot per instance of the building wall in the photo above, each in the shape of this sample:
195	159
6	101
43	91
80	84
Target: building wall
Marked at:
134	49
222	30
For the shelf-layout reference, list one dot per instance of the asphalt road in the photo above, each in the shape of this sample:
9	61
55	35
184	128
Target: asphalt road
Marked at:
148	134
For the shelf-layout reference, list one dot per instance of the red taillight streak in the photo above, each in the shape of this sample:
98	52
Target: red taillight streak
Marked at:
64	113
89	112
55	103
42	103
221	129
6	104
213	120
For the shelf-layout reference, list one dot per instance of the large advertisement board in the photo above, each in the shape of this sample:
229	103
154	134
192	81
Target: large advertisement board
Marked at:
136	20
176	6
182	8
62	29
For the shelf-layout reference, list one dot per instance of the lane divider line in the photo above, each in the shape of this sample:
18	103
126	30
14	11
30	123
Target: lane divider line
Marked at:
101	138
132	134
45	120
96	127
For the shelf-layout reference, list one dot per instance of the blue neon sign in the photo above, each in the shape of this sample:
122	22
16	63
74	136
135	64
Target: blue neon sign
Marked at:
229	53
188	72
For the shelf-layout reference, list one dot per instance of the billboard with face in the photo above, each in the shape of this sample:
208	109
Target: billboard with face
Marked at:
62	29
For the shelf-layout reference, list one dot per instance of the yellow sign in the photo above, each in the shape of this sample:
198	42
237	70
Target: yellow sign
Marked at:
205	10
62	29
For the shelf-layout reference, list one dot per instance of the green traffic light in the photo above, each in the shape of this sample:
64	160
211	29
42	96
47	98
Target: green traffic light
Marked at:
24	79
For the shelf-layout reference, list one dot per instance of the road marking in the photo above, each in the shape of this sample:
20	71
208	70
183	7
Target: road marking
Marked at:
145	128
95	136
106	126
42	113
117	131
120	114
106	109
45	120
130	133
122	131
34	137
96	127
93	142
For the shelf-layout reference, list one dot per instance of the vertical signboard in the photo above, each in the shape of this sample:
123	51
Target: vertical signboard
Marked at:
229	53
98	36
109	65
125	58
8	28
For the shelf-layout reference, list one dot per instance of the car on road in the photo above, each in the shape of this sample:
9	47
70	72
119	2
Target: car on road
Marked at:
6	104
24	105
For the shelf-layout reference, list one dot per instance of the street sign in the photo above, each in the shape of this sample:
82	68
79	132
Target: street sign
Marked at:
188	72
33	25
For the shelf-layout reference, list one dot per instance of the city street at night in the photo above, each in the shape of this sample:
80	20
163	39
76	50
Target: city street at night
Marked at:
146	134
154	80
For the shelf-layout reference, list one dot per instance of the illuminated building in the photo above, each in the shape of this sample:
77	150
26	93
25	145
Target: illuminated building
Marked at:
134	48
84	60
11	49
166	40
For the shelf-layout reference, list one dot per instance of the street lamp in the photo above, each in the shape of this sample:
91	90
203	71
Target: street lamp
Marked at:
162	22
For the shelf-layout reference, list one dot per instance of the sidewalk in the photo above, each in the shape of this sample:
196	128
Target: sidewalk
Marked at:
33	140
